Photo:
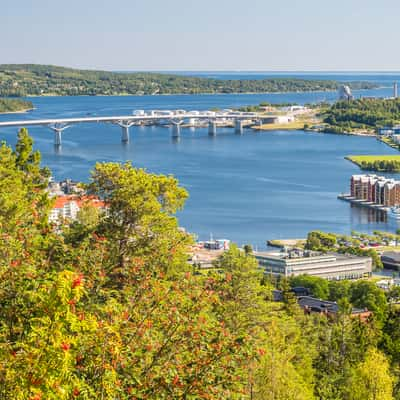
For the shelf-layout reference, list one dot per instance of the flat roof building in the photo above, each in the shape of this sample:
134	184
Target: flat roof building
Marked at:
330	266
391	260
311	304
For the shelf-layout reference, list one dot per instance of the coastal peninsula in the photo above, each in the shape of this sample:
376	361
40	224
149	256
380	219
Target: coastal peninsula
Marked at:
378	163
365	114
14	105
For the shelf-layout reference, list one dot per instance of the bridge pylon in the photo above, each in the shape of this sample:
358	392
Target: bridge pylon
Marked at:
212	128
176	128
58	129
125	125
239	126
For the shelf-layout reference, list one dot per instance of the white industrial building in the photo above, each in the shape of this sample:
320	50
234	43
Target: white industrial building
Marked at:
330	266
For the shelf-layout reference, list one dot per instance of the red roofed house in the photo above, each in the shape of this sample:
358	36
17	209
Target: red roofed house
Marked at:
67	207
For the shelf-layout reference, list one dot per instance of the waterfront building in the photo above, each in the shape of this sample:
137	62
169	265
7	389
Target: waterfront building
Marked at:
391	260
217	244
386	131
295	109
278	119
284	119
375	189
389	193
396	138
331	266
363	186
371	188
389	130
380	192
203	254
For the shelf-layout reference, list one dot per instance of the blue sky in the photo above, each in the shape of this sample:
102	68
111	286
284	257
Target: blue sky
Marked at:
262	35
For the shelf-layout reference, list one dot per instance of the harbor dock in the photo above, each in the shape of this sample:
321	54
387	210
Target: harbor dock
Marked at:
362	203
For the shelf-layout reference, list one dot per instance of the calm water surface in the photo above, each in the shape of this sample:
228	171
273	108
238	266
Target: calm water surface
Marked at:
247	188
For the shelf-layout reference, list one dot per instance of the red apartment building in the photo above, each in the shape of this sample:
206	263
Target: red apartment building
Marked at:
375	189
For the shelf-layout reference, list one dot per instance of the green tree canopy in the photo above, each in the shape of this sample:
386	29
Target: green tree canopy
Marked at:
319	287
371	379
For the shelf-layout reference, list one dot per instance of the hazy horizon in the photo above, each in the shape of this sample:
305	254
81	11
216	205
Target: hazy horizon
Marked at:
236	71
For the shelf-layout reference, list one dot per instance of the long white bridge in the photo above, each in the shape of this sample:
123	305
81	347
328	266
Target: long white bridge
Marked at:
176	119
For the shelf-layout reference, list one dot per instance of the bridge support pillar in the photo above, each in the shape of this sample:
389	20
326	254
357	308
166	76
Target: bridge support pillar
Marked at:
239	127
125	125
57	137
125	134
58	129
176	129
212	128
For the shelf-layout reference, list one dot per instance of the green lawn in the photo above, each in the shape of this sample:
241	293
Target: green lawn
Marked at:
381	163
297	125
370	159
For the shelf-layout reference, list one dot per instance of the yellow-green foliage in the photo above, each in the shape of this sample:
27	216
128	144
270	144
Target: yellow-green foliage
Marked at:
379	163
108	308
371	379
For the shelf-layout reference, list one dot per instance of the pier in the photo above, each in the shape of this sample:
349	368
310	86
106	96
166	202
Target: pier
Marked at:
362	203
175	119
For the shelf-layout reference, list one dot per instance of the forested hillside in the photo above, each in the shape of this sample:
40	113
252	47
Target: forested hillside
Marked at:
107	307
35	80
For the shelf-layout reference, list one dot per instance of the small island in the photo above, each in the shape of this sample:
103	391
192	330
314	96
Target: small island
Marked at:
378	163
14	105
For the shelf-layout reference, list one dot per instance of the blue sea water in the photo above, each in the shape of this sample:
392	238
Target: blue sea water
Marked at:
248	188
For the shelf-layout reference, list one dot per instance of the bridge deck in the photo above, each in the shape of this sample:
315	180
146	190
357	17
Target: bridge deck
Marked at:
125	119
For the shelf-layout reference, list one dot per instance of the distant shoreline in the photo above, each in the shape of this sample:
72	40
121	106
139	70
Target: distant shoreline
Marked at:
17	112
49	80
188	94
346	133
176	94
